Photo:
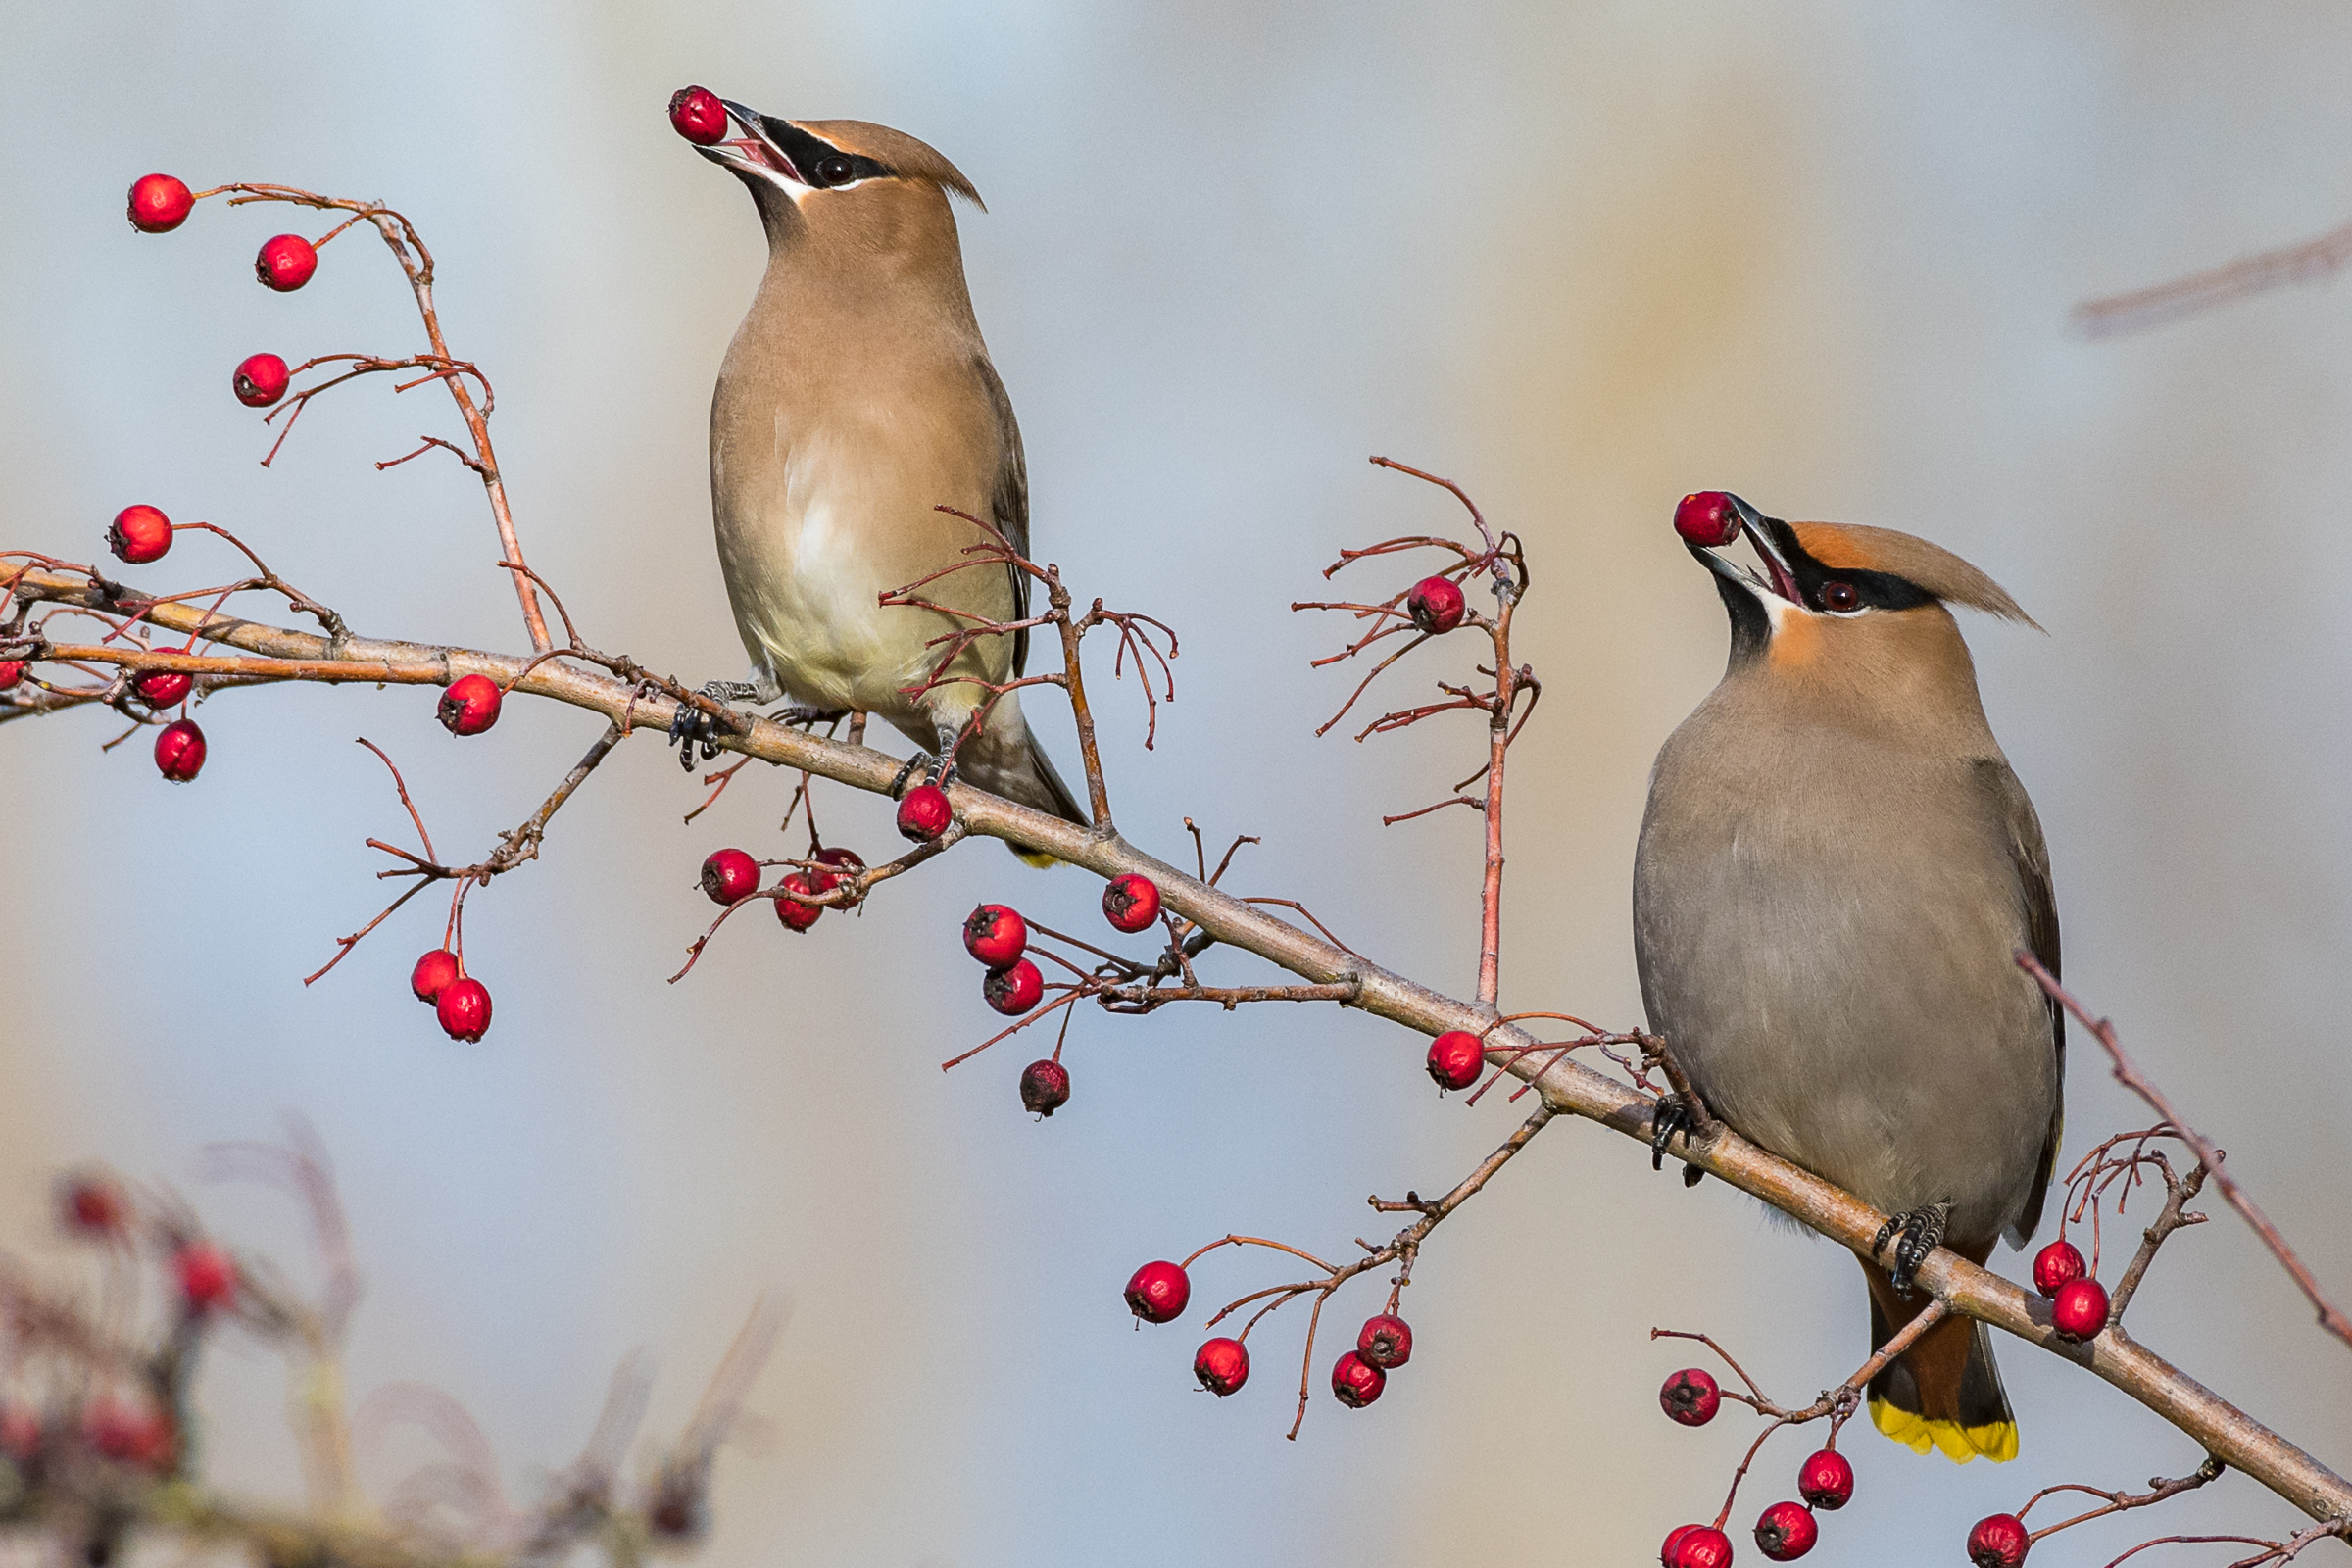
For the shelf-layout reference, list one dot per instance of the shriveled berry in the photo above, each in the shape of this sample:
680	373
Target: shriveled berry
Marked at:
138	535
161	688
1131	903
12	670
729	875
1457	1059
1045	1087
2079	1309
285	263
1707	519
1786	1531
259	381
436	970
1014	989
1825	1479
179	751
92	1205
1691	1397
1998	1541
208	1276
1356	1382
471	705
1699	1546
1436	605
796	915
1222	1366
159	204
994	935
696	114
1157	1292
1385	1341
463	1009
924	813
2057	1265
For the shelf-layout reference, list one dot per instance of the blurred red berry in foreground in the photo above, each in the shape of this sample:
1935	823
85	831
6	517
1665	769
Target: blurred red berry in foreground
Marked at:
1222	1366
179	751
696	114
133	1434
1356	1380
1386	1341
924	814
1691	1397
2056	1265
729	875
138	535
1825	1479
1436	605
1045	1087
1015	989
208	1276
463	1009
469	705
1786	1531
260	381
1998	1541
1457	1059
1157	1292
994	935
92	1205
436	970
285	263
159	204
1131	903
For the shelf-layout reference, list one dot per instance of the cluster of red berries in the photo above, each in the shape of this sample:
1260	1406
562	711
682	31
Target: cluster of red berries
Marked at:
160	204
1159	1293
1786	1531
729	876
2078	1302
459	1000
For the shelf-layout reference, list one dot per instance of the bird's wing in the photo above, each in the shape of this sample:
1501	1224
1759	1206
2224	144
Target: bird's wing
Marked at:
2030	857
1011	501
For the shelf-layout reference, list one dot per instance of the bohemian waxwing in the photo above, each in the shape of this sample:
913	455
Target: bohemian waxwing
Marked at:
1836	871
857	398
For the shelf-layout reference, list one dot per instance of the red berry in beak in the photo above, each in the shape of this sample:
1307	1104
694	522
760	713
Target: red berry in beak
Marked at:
729	875
208	1276
1385	1341
138	535
286	263
12	670
1707	519
696	114
994	935
1222	1366
1045	1087
259	381
1015	989
433	972
1691	1397
2057	1265
1786	1531
161	688
797	915
2079	1309
1999	1542
1457	1059
1157	1293
1436	605
1131	903
1825	1481
1356	1380
463	1009
924	814
93	1206
1697	1547
159	204
469	705
179	751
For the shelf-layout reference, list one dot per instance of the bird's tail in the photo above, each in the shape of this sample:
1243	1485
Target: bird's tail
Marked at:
1943	1393
1005	760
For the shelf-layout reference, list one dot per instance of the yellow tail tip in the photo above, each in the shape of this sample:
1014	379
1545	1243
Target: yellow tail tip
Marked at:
1037	858
1996	1441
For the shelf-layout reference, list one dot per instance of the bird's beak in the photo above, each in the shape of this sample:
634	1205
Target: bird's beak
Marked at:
754	155
1755	526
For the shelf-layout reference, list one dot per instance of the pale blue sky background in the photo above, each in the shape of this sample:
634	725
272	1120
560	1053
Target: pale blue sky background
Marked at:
1583	258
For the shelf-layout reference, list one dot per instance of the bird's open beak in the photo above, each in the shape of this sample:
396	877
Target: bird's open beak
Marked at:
754	155
1756	528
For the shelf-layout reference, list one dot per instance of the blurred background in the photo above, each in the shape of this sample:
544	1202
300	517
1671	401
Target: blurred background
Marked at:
1581	258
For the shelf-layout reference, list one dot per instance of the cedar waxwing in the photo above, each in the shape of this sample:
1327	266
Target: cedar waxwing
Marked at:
1836	868
857	398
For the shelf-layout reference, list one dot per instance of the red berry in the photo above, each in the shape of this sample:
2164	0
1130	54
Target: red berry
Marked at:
1015	989
138	535
1786	1531
161	688
1457	1059
1691	1397
1436	605
924	813
1385	1341
1697	1547
1707	519
12	670
1998	1541
93	1206
1222	1366
286	263
208	1276
19	1431
2055	1265
1674	1543
696	114
463	1009
729	875
843	860
994	935
159	204
436	970
1045	1087
1825	1481
469	705
179	751
797	915
1157	1292
259	381
134	1434
1131	903
1356	1382
2079	1309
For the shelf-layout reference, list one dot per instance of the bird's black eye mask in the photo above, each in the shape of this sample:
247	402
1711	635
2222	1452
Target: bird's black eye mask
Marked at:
817	161
1828	590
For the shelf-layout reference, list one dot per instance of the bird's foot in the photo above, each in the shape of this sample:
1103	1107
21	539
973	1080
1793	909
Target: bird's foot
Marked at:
1915	1232
937	771
1670	1116
802	715
690	727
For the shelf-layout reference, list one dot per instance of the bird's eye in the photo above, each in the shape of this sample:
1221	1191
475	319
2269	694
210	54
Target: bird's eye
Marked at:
1839	597
835	171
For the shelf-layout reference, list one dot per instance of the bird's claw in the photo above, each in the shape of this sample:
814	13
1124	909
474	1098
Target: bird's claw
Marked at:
691	728
1670	1116
1916	1233
939	771
810	716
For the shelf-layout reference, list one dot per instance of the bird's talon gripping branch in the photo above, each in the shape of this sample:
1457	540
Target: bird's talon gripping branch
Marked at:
1916	1233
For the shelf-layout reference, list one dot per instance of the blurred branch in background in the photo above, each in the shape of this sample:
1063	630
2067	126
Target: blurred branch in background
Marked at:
2309	261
